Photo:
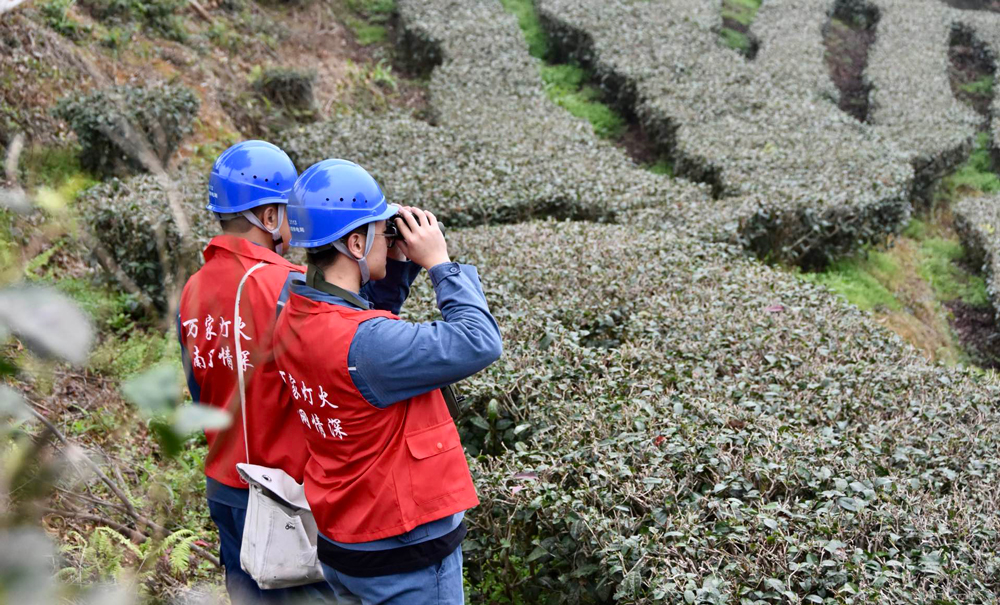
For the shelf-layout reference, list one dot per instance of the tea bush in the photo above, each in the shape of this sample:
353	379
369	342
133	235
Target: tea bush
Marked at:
795	28
279	98
114	125
687	426
911	99
130	216
977	220
765	129
912	105
287	87
541	162
985	27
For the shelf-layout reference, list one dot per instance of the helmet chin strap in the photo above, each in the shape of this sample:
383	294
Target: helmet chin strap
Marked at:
279	244
339	246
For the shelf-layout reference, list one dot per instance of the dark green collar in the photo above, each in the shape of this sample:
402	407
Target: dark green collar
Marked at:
314	279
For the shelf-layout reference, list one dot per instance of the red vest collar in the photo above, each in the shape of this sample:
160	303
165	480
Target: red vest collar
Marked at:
247	249
304	304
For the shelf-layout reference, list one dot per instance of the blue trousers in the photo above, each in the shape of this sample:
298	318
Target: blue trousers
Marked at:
241	587
439	584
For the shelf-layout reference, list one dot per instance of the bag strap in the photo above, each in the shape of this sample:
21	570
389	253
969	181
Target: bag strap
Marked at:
314	279
237	322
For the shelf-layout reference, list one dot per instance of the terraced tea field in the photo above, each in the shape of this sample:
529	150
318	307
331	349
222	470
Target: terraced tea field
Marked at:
659	196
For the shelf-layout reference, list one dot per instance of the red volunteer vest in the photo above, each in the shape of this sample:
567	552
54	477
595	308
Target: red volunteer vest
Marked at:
207	331
372	473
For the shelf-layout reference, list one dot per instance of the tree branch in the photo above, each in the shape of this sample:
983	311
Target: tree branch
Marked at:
128	509
198	8
132	534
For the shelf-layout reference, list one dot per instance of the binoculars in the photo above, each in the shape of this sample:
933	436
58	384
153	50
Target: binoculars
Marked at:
392	231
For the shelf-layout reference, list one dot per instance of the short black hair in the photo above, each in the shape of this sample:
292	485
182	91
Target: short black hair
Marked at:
240	224
324	257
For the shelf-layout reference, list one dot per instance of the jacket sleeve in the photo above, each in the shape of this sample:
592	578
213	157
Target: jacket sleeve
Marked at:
389	293
392	360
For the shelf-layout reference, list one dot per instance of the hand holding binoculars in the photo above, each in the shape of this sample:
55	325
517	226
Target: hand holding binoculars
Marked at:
420	236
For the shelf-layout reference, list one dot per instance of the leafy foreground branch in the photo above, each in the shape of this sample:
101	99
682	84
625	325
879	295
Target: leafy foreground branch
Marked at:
50	479
144	529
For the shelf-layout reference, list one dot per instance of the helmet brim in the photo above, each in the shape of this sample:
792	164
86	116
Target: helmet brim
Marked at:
390	211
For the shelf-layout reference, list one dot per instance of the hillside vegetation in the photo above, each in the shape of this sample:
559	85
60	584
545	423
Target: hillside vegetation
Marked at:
743	255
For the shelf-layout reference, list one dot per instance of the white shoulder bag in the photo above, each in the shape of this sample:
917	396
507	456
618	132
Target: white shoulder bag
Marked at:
279	536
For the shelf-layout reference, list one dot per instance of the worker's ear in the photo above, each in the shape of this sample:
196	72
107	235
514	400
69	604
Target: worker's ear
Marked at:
269	217
356	244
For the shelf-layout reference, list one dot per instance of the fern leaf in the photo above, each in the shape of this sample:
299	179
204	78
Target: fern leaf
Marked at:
180	556
114	536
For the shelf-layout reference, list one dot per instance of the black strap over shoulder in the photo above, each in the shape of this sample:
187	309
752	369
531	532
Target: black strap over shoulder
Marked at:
314	279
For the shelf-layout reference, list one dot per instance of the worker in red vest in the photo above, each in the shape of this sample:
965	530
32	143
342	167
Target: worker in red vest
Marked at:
248	191
387	478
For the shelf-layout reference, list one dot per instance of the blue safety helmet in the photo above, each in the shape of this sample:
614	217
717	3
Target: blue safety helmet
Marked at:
330	200
247	175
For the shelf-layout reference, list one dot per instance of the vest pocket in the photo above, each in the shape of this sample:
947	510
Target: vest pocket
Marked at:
437	464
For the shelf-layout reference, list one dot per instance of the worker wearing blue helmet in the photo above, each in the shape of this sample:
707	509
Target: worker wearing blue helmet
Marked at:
387	479
248	191
248	188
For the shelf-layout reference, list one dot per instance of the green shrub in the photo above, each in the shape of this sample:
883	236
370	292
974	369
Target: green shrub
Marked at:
56	16
287	87
161	16
278	98
106	120
128	217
